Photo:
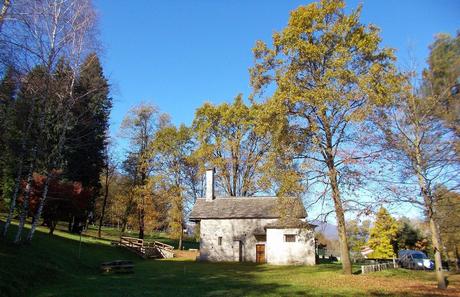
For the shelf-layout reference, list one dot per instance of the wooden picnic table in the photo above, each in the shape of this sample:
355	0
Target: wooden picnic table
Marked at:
118	266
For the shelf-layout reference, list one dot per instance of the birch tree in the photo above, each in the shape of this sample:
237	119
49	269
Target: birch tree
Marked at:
327	71
44	33
72	26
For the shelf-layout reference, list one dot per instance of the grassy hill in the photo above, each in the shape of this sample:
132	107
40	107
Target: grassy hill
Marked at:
59	266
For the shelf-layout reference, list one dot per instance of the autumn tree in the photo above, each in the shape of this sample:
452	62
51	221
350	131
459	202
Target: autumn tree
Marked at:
328	70
447	215
382	235
139	126
418	153
125	196
442	74
229	142
173	151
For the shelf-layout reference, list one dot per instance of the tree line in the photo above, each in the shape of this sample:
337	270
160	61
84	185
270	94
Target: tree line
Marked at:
55	106
387	235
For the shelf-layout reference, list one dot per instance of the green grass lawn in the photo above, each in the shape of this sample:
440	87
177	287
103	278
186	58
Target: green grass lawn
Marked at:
58	266
114	234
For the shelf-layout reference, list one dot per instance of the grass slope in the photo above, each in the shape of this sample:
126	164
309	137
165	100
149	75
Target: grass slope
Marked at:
114	234
50	266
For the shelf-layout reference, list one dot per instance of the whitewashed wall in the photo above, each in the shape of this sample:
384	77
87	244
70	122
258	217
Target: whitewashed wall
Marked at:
302	251
234	230
231	231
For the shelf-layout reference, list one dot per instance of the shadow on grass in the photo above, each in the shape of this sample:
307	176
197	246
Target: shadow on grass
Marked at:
59	266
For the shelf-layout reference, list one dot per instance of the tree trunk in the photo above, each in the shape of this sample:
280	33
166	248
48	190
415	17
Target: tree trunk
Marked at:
457	259
180	239
436	240
106	194
52	226
25	204
13	201
344	251
429	201
141	223
39	211
71	220
20	166
124	219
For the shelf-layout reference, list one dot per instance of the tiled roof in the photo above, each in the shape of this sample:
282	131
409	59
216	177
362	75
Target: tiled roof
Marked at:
289	223
243	208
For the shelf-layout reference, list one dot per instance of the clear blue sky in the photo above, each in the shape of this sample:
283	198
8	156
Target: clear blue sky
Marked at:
179	54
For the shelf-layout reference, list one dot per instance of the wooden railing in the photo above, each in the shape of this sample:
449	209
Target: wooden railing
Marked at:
131	242
147	249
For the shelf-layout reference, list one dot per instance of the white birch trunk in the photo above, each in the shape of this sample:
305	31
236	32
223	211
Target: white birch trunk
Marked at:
13	201
25	204
18	178
38	213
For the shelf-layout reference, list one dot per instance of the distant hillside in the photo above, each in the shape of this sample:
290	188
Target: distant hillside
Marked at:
328	230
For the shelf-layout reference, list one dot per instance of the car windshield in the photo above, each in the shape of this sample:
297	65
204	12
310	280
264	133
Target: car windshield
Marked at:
418	256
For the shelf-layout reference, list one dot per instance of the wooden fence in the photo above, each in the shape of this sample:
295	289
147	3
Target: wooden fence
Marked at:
377	267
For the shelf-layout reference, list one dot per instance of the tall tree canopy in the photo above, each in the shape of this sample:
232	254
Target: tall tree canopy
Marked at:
418	150
442	74
87	139
229	142
140	126
176	169
328	71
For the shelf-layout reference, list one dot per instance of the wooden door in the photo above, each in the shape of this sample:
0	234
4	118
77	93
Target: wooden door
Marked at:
260	253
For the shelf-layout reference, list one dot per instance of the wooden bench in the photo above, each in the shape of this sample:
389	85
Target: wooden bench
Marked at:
118	266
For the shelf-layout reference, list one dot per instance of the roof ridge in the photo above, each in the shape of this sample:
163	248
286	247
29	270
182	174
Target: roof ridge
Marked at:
240	207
